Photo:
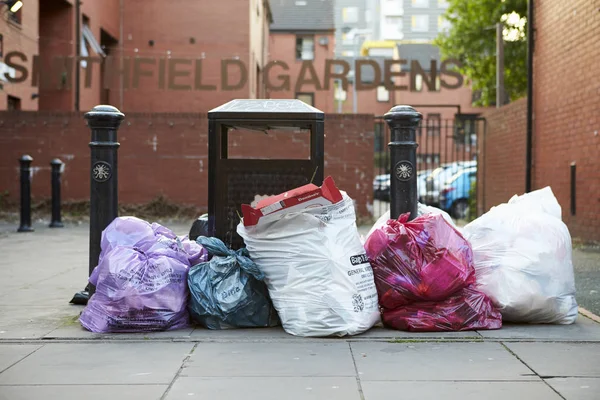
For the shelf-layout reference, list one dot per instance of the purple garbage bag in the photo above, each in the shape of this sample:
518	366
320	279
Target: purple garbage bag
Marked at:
139	291
141	278
132	231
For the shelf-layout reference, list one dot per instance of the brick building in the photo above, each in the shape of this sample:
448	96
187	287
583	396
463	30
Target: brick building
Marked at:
566	126
18	32
146	64
302	36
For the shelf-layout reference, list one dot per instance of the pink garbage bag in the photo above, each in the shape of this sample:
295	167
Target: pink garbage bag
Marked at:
468	309
425	259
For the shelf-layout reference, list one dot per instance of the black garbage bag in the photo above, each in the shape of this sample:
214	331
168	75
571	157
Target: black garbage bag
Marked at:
199	227
228	291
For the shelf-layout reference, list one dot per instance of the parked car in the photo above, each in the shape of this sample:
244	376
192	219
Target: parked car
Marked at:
422	183
439	176
382	184
381	187
454	196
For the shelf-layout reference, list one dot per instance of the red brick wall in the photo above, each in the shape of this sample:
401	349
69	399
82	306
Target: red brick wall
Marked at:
165	154
566	123
567	101
220	32
22	38
57	30
282	47
501	171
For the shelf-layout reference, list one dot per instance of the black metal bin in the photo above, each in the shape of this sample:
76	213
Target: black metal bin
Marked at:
233	182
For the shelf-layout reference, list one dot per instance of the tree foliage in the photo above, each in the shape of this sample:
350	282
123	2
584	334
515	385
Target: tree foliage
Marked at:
472	40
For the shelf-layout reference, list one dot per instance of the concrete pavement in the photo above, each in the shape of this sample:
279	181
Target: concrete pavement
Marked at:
45	354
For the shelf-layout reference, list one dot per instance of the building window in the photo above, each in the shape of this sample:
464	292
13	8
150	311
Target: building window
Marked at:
305	48
443	24
16	17
418	82
383	95
368	16
350	15
420	23
434	124
88	42
420	3
392	28
347	40
308	98
13	103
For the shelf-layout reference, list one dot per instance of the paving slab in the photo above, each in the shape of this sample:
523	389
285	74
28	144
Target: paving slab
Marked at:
288	388
560	359
76	331
444	361
385	333
87	392
270	359
33	322
99	363
275	333
457	390
576	388
584	329
11	354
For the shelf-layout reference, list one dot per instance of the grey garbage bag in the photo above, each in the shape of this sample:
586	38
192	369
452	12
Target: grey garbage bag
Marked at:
228	291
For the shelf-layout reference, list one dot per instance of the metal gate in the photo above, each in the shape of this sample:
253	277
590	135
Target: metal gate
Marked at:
446	164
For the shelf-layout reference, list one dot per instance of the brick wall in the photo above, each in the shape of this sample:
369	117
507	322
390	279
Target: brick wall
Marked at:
566	123
166	154
282	47
566	102
502	148
23	38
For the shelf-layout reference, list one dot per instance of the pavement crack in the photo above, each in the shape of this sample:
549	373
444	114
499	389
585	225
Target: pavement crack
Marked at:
531	369
185	360
358	382
18	361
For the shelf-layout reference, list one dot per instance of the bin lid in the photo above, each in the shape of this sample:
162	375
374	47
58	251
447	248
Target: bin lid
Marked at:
266	109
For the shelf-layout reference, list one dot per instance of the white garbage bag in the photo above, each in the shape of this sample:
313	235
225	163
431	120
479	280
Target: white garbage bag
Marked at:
523	259
316	270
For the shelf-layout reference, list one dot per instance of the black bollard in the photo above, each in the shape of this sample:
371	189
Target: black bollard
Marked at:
56	166
104	121
25	164
403	122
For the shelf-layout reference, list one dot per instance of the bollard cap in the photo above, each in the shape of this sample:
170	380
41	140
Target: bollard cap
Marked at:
26	158
56	161
403	113
104	116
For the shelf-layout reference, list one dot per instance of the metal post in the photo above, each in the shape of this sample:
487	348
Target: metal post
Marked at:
354	82
104	122
500	98
25	165
403	122
56	166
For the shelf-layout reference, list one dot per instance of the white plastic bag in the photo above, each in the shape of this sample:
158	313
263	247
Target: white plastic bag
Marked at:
316	270
523	259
